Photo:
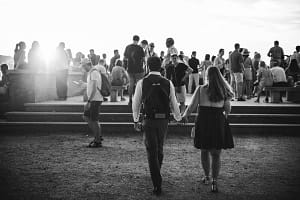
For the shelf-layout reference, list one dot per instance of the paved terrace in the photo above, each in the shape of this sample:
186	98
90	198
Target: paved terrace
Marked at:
59	166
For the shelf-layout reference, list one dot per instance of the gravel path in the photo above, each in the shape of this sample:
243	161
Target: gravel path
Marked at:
61	167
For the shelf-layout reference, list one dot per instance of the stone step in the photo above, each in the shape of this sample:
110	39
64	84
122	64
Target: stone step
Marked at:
127	117
8	128
122	108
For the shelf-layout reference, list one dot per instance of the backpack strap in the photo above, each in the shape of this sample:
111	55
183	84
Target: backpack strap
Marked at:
91	78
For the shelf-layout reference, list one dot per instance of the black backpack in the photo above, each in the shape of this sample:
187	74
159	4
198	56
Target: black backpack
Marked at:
155	97
105	85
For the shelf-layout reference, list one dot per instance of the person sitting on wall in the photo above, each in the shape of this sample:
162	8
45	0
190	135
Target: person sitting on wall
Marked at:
279	77
119	76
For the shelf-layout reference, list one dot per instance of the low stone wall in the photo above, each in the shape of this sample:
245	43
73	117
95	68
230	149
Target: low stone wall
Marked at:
26	86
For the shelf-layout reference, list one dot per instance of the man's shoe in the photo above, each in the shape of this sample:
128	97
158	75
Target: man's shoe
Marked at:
157	191
205	180
214	186
94	144
241	99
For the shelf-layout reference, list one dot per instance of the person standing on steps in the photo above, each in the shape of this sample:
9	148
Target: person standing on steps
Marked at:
236	62
134	57
156	95
95	99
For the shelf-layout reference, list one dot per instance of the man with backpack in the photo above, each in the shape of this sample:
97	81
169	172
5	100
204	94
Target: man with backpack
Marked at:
95	98
156	95
134	57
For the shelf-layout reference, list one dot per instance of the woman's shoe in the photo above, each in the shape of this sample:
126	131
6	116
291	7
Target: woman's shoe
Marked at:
214	186
94	144
205	180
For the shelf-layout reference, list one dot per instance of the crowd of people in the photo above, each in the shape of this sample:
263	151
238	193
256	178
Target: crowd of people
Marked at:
158	85
242	72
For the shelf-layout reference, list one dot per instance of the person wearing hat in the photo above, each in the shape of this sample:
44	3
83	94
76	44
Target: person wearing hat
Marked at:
248	74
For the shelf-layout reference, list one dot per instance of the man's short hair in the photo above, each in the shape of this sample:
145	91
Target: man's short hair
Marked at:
102	61
145	42
154	63
4	67
136	38
276	42
236	45
119	63
298	48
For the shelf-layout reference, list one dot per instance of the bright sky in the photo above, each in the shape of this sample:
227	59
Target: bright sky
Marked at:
105	25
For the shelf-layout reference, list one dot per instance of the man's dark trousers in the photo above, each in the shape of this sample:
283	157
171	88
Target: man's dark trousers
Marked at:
155	133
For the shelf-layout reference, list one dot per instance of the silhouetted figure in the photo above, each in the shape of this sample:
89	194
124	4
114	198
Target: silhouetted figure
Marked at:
20	56
36	60
61	64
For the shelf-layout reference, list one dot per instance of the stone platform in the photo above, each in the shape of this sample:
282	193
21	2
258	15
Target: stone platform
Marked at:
115	117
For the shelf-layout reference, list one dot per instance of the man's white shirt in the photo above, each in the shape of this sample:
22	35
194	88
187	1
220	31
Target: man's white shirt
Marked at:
137	100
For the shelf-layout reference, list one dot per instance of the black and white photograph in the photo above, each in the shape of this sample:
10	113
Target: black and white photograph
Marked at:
144	100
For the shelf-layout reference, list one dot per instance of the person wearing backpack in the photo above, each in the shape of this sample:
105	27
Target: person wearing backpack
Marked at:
95	98
156	95
134	56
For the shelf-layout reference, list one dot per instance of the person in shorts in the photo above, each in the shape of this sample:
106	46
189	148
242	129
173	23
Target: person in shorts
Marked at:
92	107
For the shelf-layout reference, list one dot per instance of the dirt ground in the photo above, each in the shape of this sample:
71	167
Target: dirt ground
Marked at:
61	167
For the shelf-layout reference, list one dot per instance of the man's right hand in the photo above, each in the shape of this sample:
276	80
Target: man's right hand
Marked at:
87	106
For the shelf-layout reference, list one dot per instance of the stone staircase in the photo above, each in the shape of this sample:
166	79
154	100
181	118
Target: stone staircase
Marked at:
117	118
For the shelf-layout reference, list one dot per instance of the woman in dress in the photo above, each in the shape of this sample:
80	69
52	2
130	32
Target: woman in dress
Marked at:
212	132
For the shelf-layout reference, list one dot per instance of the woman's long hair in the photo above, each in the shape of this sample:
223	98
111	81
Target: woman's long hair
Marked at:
218	88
